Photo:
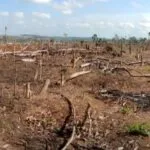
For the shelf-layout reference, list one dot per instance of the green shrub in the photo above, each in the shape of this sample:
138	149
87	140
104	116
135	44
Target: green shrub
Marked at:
125	110
139	129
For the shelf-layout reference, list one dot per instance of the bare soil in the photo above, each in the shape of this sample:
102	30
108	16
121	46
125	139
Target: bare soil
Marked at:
46	123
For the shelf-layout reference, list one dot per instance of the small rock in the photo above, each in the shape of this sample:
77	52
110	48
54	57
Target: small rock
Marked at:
6	146
120	148
131	142
107	132
101	117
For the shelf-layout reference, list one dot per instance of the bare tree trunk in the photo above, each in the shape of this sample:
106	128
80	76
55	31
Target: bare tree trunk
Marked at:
15	72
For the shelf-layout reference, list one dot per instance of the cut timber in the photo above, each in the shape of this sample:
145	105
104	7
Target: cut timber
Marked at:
77	74
43	92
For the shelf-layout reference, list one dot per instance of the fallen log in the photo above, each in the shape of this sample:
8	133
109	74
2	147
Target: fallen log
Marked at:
85	65
30	60
77	74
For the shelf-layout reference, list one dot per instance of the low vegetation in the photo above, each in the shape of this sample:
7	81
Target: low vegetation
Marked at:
139	129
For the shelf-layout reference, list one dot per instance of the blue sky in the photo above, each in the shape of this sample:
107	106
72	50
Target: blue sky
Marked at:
76	17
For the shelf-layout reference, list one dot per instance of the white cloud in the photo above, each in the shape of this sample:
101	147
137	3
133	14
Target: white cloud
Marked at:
20	22
67	12
19	14
100	23
5	14
40	1
67	6
41	15
78	25
82	25
136	4
126	25
145	24
100	0
145	21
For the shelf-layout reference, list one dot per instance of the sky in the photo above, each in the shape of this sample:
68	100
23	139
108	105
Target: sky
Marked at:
80	18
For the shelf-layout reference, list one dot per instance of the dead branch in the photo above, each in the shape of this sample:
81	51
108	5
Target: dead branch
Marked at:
116	69
73	135
67	100
85	65
90	122
85	116
70	139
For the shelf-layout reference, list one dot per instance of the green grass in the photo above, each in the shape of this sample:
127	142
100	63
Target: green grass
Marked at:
125	110
146	68
139	129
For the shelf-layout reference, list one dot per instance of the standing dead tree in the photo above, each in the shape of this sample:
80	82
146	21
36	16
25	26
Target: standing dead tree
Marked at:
36	74
28	90
63	73
40	69
15	71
